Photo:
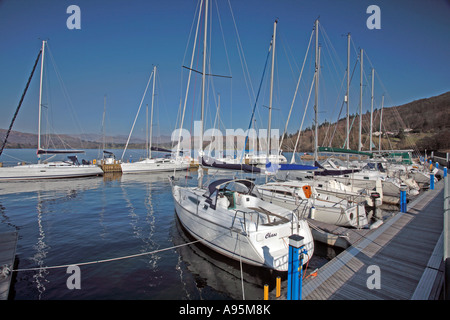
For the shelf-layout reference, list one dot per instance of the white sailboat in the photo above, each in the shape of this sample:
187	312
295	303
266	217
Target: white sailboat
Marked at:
321	206
150	164
230	218
49	170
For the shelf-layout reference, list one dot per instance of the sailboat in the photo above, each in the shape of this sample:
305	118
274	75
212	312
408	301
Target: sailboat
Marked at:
49	170
230	217
150	164
321	206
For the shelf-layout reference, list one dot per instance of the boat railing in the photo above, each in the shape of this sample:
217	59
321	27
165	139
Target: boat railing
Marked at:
244	214
302	208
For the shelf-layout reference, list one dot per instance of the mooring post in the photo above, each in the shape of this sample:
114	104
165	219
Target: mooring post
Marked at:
403	199
445	172
278	287
266	292
296	247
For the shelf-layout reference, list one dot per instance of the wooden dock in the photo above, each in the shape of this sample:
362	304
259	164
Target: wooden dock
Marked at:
406	252
110	167
8	242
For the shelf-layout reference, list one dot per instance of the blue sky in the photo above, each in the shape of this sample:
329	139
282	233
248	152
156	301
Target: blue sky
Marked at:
119	42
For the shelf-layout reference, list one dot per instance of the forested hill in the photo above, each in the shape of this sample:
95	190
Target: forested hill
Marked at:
420	124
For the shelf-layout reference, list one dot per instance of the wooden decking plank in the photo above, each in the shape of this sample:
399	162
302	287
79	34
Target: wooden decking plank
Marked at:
407	250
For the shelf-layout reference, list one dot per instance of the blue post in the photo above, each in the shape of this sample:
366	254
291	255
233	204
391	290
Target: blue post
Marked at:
437	165
445	172
431	181
295	264
402	199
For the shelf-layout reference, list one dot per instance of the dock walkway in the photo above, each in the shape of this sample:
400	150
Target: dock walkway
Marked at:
406	252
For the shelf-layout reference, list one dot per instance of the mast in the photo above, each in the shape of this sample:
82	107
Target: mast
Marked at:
200	169
360	96
146	132
381	119
348	90
316	95
103	122
40	98
204	75
371	113
271	88
189	80
151	115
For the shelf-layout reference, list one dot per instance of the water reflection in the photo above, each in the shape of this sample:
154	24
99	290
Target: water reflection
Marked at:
224	275
41	251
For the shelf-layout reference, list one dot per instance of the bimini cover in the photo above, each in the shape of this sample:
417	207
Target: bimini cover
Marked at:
215	184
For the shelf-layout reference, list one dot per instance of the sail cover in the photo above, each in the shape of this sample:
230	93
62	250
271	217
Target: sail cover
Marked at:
56	151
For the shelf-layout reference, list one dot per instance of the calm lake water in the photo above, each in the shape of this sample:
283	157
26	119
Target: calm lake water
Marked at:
70	222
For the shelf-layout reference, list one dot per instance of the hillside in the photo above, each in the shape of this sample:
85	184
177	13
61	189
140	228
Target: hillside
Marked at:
21	140
421	124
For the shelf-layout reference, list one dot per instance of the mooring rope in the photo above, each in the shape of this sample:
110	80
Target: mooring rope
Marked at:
108	260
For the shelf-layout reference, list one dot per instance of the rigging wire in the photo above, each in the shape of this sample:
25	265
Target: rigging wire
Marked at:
137	114
296	90
20	102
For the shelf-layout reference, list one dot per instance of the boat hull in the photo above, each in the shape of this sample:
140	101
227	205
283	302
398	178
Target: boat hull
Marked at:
264	246
48	171
150	165
328	211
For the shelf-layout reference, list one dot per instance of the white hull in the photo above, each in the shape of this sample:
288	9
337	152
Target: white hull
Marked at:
252	240
153	165
329	209
51	170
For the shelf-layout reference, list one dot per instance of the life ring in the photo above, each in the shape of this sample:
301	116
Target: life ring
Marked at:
307	191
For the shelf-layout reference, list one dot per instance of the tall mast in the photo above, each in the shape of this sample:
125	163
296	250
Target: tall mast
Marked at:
316	96
103	122
40	98
204	76
360	96
371	112
146	132
200	169
189	79
271	87
381	119
151	115
348	90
